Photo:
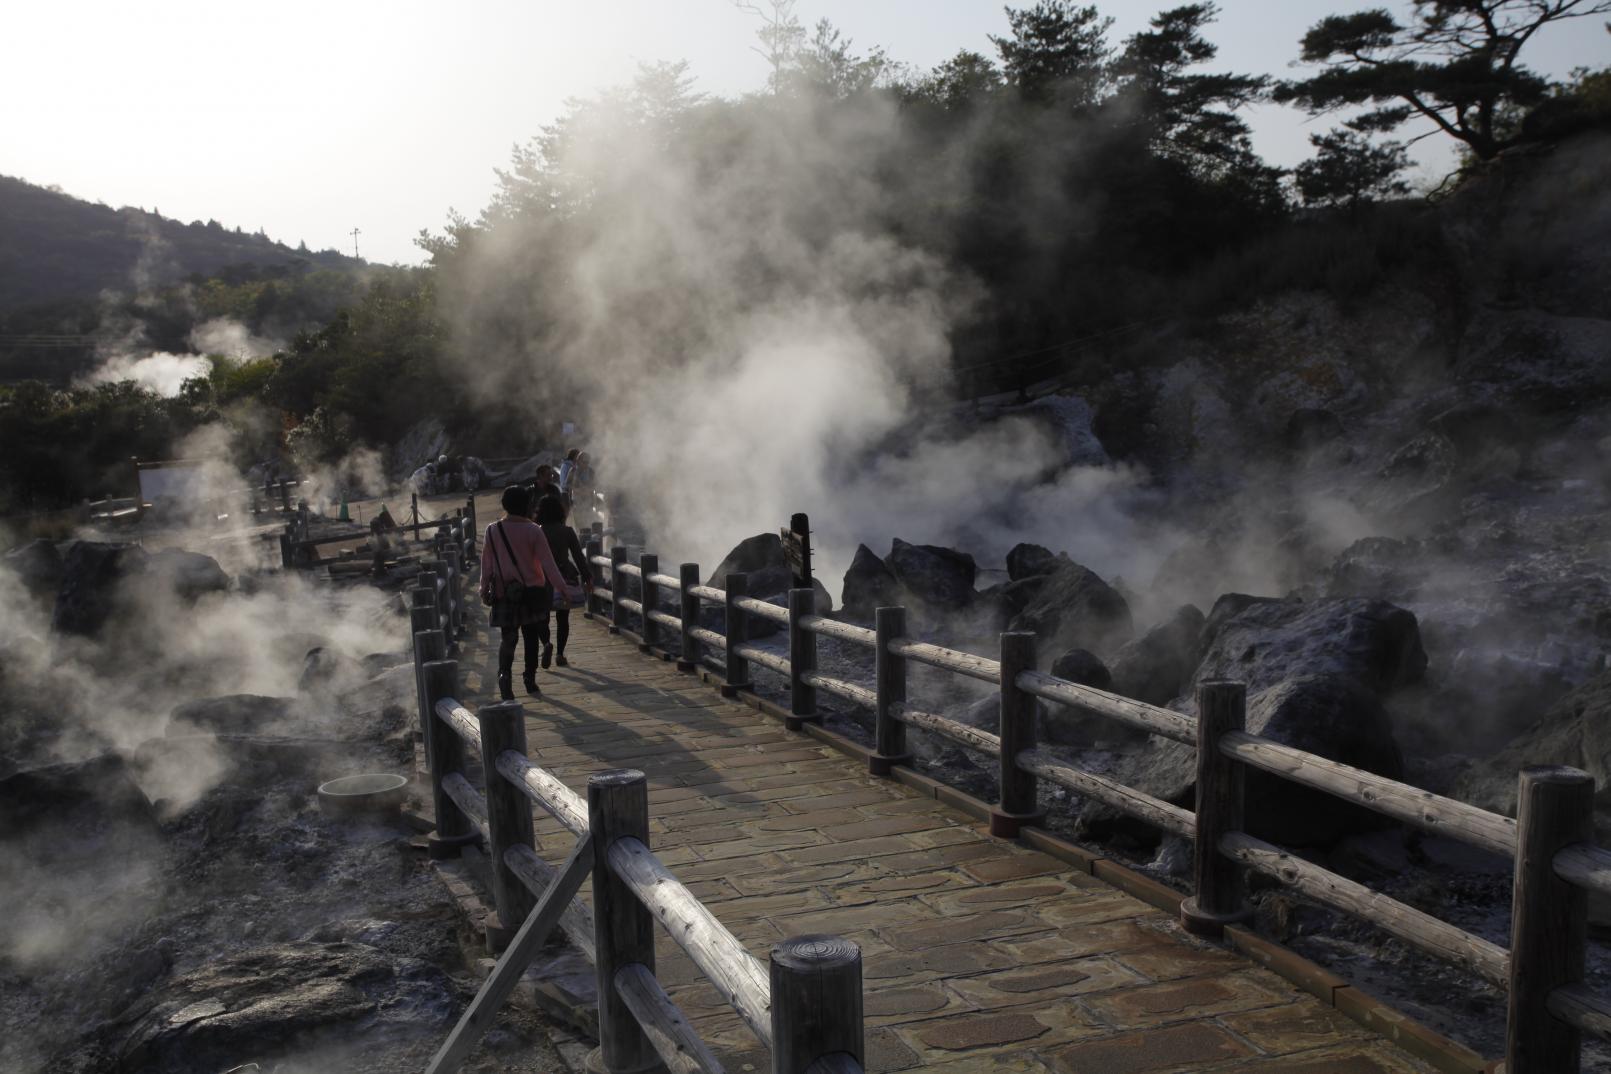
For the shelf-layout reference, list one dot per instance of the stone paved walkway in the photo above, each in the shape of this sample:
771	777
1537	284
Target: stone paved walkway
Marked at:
979	955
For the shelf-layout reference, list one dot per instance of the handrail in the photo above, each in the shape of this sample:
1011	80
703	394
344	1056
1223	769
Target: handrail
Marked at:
975	667
860	695
832	628
460	719
762	609
1137	714
737	974
1420	930
1586	865
710	593
1170	818
770	660
629	569
1427	811
955	730
674	1040
544	788
665	581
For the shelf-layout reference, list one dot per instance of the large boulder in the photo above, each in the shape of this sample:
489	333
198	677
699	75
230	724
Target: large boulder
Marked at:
1153	667
37	565
932	577
1372	641
1071	607
1227	606
750	556
869	585
1575	731
769	578
91	573
90	795
1064	726
188	575
1315	674
1028	560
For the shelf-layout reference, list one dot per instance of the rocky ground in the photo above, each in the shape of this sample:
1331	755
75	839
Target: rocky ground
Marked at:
178	900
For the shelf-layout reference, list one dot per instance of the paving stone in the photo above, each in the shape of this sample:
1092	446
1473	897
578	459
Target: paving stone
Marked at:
1335	1062
1185	1047
980	1031
1056	946
952	960
857	850
1289	1028
855	918
901	825
905	1004
1026	863
960	929
834	801
1046	984
1181	960
996	895
1176	1001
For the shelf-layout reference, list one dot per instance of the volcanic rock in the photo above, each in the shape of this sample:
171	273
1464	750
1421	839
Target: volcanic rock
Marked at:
269	1002
189	575
1310	427
1026	560
1083	667
38	565
869	585
1227	607
749	556
1575	731
82	795
933	577
769	579
231	714
1315	673
1073	608
1153	667
87	596
1064	726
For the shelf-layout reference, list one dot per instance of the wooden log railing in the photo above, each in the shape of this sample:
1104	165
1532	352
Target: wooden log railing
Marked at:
807	1010
1550	840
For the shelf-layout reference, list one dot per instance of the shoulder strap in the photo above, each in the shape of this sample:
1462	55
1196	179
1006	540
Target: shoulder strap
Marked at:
510	549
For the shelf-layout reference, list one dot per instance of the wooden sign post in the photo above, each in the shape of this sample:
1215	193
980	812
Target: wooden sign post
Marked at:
797	549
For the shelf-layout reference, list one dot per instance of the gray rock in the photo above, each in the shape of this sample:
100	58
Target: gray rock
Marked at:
1153	667
232	714
1073	608
1083	667
932	577
1376	567
92	795
749	556
88	593
1575	731
868	585
38	565
190	575
1227	606
325	670
1026	560
1311	427
268	1002
1268	642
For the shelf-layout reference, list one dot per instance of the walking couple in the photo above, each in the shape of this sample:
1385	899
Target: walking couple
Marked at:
522	581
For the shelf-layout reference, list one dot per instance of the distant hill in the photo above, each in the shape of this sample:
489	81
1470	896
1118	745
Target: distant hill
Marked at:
55	247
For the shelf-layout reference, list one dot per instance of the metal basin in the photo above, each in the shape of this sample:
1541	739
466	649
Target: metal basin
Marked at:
374	794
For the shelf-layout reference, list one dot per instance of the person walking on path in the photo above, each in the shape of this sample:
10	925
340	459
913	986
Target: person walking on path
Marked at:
567	548
519	581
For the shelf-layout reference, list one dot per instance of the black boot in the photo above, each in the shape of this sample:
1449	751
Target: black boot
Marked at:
548	655
529	680
506	687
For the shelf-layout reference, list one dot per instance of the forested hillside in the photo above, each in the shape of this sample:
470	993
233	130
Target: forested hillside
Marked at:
56	247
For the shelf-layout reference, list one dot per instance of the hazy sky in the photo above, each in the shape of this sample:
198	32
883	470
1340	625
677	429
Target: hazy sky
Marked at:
309	119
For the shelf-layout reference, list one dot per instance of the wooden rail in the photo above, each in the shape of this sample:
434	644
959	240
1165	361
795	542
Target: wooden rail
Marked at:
1556	862
632	889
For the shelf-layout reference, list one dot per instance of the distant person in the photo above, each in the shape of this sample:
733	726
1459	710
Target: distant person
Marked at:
519	580
545	483
573	566
578	486
567	474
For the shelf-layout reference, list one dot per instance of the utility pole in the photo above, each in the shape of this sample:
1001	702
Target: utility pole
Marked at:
355	234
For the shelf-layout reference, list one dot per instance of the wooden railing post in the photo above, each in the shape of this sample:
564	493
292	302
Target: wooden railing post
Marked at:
469	519
889	733
737	630
649	596
688	605
446	752
802	658
503	727
429	646
816	1002
617	589
1020	802
1548	917
1218	901
623	928
595	572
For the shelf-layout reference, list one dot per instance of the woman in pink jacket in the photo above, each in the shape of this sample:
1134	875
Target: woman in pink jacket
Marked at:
521	581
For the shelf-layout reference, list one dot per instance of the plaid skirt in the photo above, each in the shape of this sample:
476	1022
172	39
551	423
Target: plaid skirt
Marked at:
532	609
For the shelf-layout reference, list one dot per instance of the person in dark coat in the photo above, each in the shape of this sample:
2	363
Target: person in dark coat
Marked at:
573	565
